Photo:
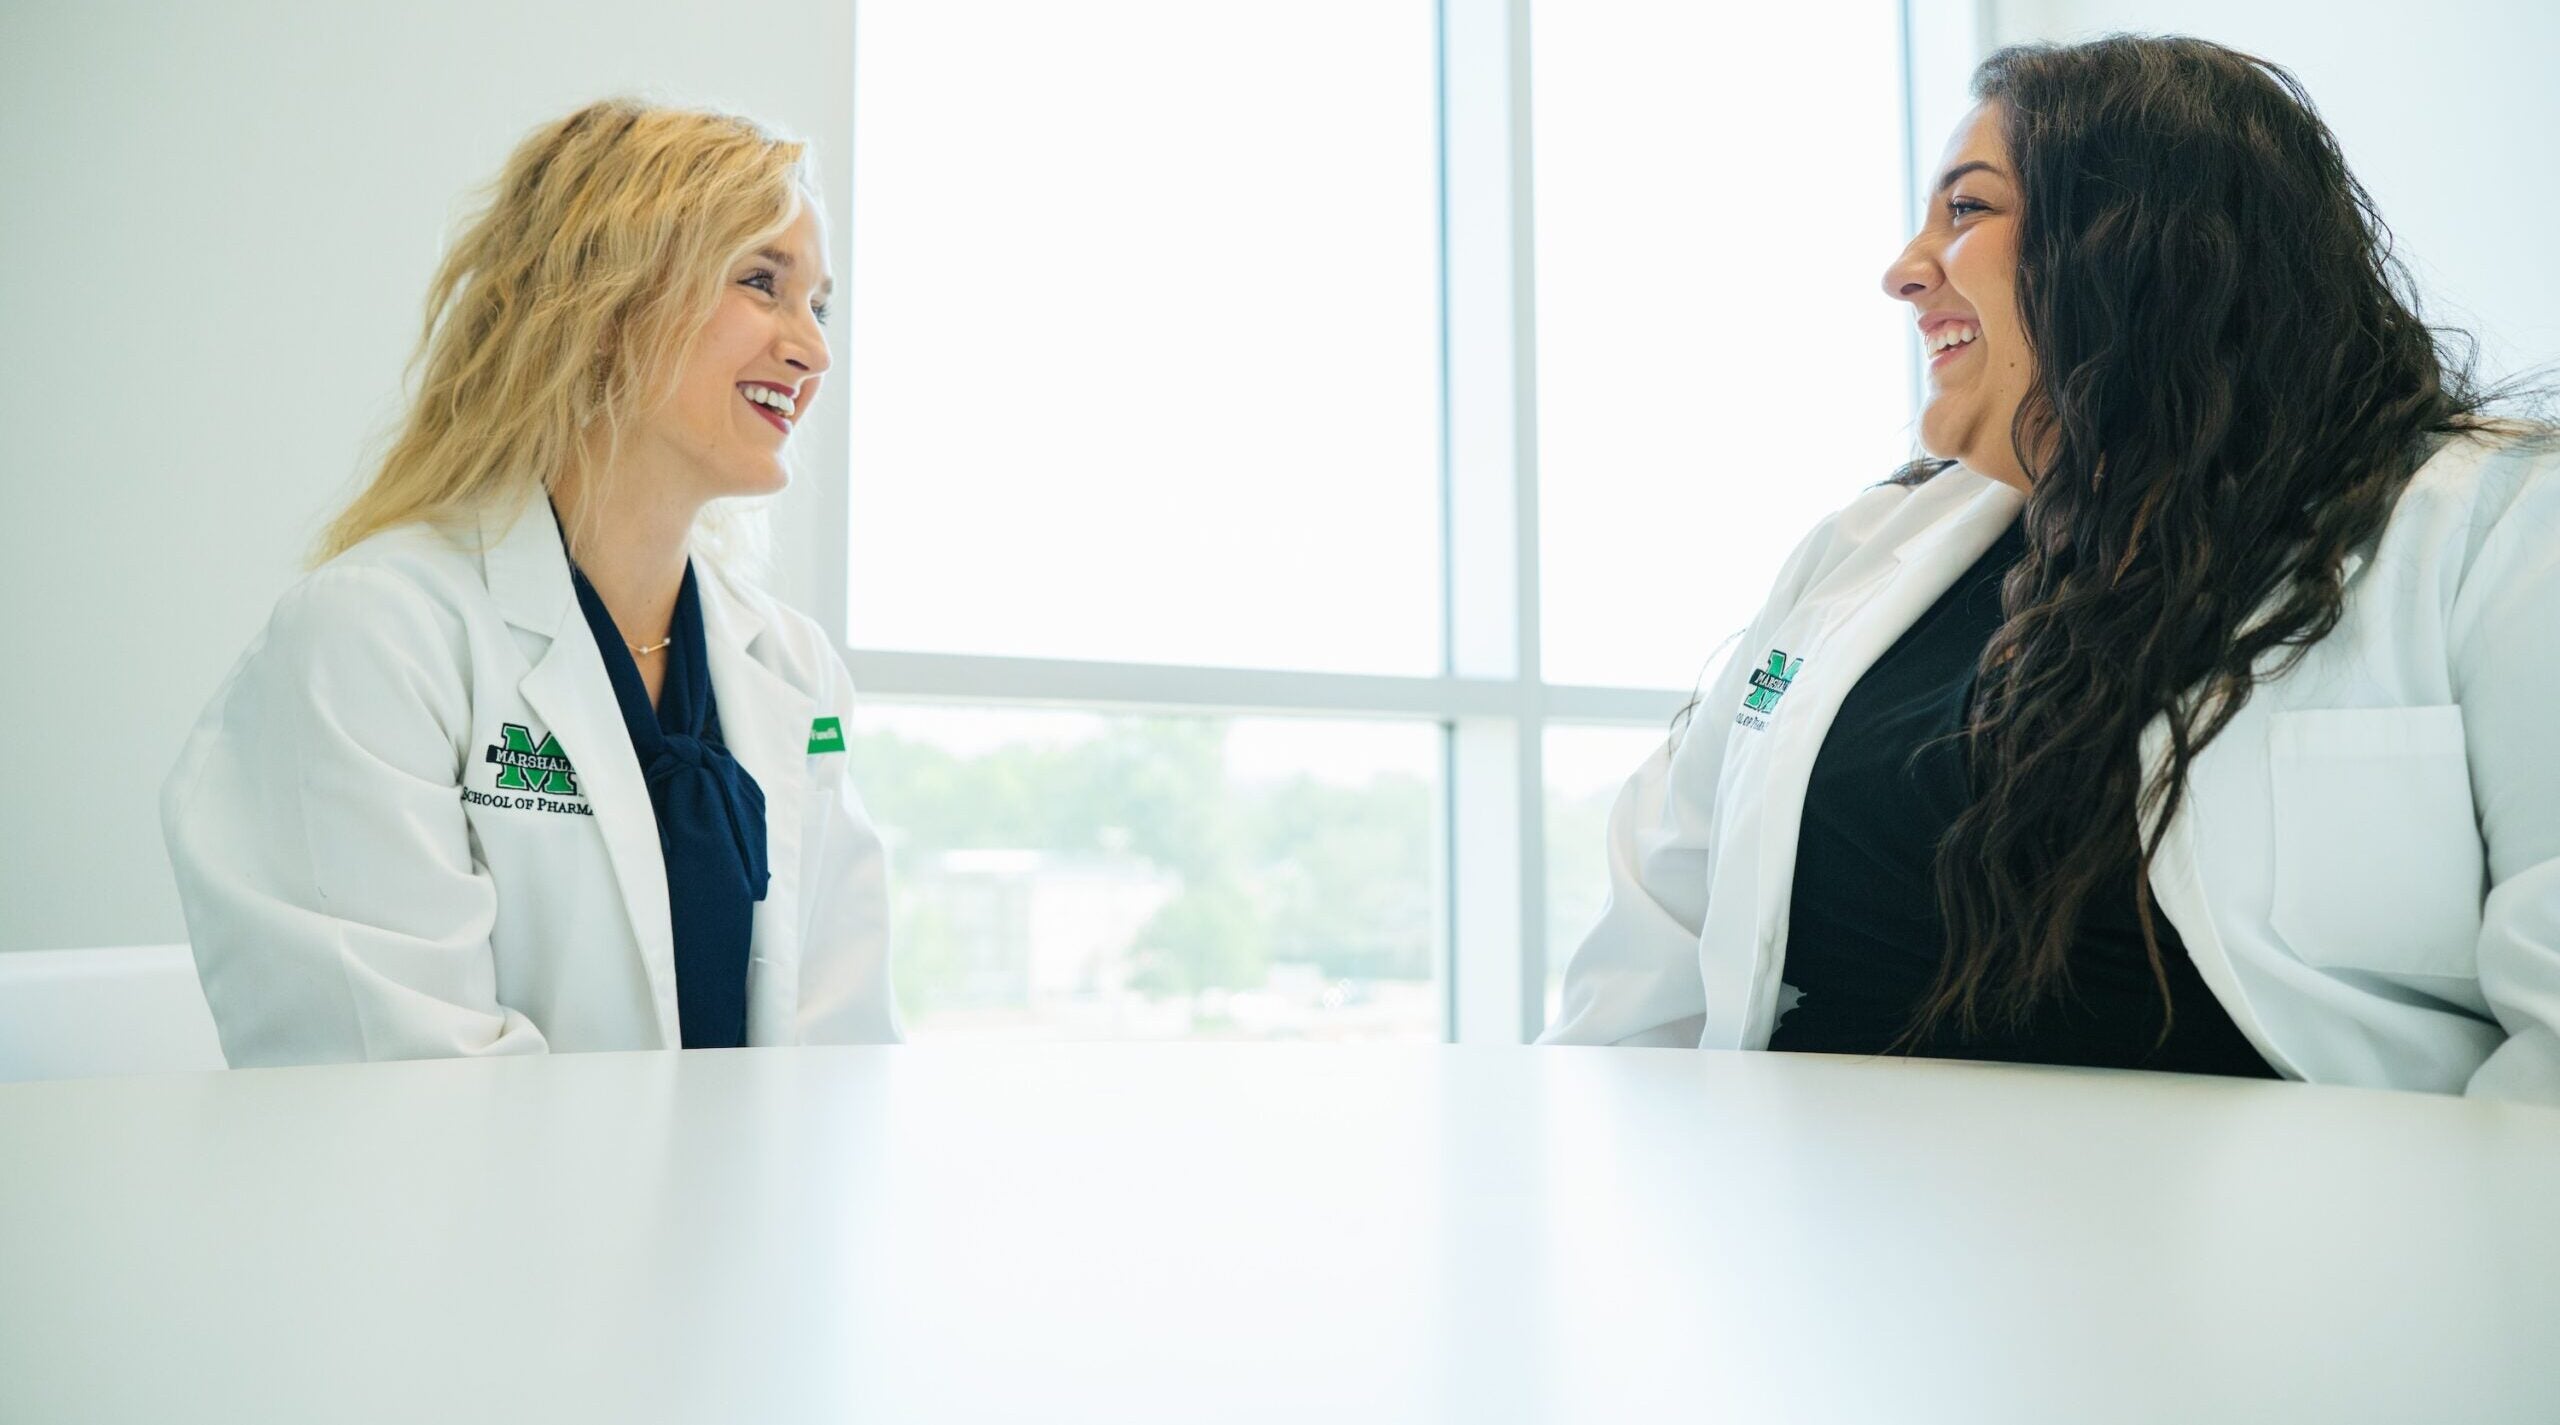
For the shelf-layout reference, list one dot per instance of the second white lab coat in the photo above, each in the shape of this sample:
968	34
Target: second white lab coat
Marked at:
2366	867
411	824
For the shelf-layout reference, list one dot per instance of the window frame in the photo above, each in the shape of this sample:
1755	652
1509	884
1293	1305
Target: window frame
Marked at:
1490	700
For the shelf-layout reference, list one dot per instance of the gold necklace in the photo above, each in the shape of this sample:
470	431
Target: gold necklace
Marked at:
652	648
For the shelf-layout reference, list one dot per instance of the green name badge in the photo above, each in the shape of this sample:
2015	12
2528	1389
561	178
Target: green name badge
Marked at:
826	735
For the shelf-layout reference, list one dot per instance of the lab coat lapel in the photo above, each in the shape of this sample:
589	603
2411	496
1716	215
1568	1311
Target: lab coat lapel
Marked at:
2176	880
1851	626
764	720
570	692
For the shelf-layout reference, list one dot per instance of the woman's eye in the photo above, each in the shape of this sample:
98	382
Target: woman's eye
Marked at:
1962	206
761	281
820	309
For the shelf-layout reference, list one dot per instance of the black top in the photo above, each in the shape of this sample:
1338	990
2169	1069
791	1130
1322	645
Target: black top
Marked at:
1864	934
710	817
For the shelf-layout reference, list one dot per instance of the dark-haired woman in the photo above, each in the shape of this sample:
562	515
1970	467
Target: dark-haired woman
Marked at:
2197	709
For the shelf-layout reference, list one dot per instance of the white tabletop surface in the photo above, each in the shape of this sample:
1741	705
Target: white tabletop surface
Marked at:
1243	1233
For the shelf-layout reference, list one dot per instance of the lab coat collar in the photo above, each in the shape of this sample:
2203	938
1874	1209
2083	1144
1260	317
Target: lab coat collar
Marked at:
568	689
1964	508
1842	628
765	720
528	570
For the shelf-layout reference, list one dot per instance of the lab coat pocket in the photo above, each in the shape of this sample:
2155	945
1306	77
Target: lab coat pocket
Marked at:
2378	862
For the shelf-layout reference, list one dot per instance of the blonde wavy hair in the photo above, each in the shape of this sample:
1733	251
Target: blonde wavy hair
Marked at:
567	306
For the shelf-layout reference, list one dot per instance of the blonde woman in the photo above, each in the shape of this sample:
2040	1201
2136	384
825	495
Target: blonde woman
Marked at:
520	766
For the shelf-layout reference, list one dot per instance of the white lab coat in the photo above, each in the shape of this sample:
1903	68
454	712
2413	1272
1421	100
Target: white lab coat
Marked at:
366	875
2366	868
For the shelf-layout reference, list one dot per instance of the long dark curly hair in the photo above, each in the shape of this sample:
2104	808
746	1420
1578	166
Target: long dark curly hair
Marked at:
2232	388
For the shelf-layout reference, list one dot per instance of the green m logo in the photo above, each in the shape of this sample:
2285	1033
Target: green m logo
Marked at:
1770	684
526	767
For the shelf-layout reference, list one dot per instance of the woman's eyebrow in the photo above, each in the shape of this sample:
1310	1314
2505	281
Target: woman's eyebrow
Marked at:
782	259
1961	169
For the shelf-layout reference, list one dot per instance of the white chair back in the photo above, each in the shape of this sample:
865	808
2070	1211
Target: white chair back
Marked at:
126	1009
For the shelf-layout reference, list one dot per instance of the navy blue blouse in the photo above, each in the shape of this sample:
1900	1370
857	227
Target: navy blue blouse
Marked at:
710	817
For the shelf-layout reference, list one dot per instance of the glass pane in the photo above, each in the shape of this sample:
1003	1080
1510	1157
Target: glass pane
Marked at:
1061	875
1718	365
1142	332
1585	768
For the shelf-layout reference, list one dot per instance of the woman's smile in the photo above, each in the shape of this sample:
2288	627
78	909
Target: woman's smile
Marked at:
1947	338
776	403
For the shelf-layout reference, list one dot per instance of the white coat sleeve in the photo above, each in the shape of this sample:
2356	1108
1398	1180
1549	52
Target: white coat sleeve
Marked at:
1636	978
316	827
845	992
2506	655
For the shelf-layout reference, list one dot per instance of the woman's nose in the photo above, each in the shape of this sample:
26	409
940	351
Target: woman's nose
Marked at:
806	351
1912	275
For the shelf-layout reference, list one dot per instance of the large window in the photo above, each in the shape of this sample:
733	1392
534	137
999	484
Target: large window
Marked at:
1719	188
1291	489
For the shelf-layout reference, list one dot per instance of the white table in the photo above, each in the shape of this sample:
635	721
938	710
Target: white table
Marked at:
1197	1233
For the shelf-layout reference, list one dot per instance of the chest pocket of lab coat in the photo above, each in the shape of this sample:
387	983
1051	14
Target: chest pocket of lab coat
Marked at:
2378	863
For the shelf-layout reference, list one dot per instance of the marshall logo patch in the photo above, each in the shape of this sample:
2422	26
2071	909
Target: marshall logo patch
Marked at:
525	767
1768	684
533	774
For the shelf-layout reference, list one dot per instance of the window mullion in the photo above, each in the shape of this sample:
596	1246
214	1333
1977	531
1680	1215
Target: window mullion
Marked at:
1496	905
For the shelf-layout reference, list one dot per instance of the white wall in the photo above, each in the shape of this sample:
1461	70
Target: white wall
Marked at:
2448	110
216	228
